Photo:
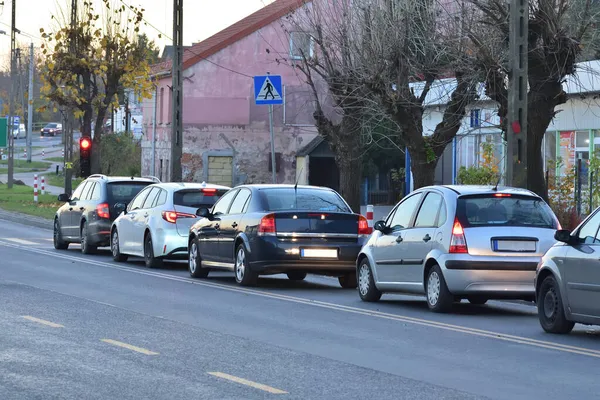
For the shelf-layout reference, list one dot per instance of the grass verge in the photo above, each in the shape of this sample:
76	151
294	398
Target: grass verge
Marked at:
55	159
20	199
23	164
59	180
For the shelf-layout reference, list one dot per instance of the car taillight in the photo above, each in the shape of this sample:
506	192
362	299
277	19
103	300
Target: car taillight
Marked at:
267	225
458	243
209	192
103	210
173	216
363	226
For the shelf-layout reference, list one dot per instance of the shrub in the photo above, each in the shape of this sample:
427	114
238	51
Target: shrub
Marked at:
121	155
487	173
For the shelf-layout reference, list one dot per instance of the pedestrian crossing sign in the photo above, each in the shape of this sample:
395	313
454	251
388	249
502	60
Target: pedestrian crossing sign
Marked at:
268	90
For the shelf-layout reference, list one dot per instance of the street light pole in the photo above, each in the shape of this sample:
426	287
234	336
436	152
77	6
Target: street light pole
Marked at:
11	140
30	104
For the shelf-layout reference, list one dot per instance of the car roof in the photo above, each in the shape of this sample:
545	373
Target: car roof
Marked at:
112	179
482	189
190	185
283	186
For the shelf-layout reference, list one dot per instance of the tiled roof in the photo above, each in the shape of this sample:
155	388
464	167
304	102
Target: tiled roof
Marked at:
261	18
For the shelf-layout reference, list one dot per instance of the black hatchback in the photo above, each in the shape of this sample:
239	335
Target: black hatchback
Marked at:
87	215
271	229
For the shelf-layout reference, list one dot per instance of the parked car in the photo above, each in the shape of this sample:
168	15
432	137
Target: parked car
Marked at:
19	132
157	222
456	242
568	278
51	129
271	229
87	214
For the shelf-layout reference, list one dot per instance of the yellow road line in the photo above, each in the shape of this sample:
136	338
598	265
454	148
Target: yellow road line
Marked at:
337	307
129	347
22	241
42	321
246	382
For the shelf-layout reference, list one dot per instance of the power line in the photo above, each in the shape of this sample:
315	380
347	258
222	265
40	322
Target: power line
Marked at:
22	32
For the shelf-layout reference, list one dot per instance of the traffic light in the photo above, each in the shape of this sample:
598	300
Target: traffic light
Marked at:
85	153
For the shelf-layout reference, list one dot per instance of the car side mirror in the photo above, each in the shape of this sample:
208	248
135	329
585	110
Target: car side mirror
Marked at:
203	212
380	226
120	208
64	198
563	235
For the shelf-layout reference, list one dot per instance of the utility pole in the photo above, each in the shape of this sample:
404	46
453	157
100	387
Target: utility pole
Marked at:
30	103
11	106
516	134
176	112
68	131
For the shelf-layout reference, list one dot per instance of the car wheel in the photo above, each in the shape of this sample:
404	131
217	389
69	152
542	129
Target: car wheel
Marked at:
551	311
296	275
151	261
477	300
243	274
348	281
366	283
86	247
195	261
115	248
59	243
439	298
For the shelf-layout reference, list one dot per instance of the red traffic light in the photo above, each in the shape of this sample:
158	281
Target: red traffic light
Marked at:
85	143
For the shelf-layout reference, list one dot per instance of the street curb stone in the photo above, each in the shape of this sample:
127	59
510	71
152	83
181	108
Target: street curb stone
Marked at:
25	219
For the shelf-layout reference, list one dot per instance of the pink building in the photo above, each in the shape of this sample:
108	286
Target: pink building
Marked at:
226	136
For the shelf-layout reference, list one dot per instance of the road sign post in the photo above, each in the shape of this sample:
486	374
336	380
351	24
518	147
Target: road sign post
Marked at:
267	91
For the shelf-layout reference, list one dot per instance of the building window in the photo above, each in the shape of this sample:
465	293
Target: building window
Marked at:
162	105
301	44
169	110
475	118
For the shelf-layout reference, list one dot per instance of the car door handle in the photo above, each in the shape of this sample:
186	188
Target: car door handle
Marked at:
70	208
81	208
217	226
399	239
234	225
426	238
145	215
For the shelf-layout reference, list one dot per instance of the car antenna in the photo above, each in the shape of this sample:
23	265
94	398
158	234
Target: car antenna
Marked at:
495	188
296	188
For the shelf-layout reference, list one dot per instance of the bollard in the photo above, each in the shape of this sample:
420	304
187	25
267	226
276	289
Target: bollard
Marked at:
43	185
24	153
370	217
43	153
57	169
63	153
35	191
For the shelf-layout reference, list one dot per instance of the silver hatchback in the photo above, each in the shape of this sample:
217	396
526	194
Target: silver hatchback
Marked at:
456	242
156	223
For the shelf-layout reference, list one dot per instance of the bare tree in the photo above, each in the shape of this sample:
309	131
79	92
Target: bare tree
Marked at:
558	30
390	57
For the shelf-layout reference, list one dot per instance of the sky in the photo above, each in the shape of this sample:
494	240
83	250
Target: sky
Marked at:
201	18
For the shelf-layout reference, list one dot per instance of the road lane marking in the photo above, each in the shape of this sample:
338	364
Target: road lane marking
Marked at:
22	241
246	382
129	347
42	321
332	306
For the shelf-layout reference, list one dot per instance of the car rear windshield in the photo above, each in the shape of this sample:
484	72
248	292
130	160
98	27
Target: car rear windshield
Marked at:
51	126
280	199
197	198
501	209
124	192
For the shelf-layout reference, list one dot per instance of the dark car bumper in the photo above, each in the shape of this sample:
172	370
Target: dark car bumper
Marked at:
272	255
99	232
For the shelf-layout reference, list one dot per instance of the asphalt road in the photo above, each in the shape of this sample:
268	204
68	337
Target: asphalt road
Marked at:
83	327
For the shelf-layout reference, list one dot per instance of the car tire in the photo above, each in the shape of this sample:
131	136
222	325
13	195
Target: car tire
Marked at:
296	275
149	259
348	281
59	243
244	276
479	301
551	311
195	261
366	283
115	248
439	298
86	247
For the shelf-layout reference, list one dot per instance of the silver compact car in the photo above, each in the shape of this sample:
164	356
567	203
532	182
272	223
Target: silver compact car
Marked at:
456	242
568	278
155	224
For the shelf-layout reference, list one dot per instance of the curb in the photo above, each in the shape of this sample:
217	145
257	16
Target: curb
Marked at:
25	219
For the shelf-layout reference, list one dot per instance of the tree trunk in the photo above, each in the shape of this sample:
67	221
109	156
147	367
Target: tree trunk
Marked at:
423	170
536	177
98	130
350	178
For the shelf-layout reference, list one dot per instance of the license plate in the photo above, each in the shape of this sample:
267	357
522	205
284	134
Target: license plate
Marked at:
515	245
319	253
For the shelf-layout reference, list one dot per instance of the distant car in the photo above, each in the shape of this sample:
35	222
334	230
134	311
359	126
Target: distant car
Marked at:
87	214
568	278
51	129
272	229
157	221
456	242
